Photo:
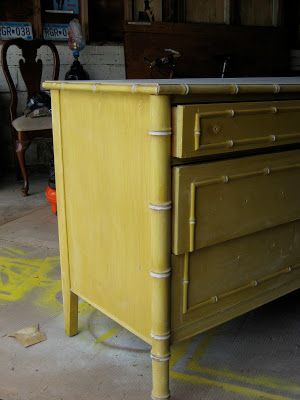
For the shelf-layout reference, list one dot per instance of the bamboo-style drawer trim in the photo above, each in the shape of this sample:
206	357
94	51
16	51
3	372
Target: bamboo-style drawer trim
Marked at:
219	297
208	129
232	113
269	139
221	180
225	191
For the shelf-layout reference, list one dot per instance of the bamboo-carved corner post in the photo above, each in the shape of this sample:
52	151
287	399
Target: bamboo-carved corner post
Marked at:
160	209
70	299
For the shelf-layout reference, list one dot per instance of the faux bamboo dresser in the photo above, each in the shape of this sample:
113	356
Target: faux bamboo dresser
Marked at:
178	202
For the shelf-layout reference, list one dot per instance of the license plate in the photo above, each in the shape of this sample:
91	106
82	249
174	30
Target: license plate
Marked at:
55	31
14	30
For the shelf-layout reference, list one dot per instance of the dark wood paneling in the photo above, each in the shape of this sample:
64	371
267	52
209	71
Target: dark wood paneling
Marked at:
291	19
204	11
256	12
254	51
17	10
106	19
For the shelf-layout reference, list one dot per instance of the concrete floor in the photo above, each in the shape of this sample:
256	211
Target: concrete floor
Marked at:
256	356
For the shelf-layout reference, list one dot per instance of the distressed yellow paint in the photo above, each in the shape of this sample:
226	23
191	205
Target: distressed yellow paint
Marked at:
19	276
115	218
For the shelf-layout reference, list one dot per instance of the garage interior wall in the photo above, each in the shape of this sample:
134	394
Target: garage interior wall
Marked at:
101	62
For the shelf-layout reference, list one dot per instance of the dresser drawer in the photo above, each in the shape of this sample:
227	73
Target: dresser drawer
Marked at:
203	129
219	282
218	201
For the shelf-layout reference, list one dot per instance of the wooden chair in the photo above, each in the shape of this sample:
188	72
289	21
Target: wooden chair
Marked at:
26	129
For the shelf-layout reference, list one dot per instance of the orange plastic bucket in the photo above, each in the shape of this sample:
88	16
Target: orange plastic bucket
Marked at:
51	198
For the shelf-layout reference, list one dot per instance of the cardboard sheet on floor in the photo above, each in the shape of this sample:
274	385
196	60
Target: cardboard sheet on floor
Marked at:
29	336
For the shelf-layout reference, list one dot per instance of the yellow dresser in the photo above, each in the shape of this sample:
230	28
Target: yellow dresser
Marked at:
178	202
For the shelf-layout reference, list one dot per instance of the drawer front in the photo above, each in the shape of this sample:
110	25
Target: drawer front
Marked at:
219	201
204	129
217	283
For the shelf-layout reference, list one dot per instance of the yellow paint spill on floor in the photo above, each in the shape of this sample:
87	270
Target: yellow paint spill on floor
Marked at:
112	332
228	387
20	276
216	376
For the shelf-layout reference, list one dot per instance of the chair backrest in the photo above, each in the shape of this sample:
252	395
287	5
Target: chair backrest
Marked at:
30	67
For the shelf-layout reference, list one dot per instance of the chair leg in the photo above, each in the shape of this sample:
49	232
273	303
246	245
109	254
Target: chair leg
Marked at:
21	147
16	162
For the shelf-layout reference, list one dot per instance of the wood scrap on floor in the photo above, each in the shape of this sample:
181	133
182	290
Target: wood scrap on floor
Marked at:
29	336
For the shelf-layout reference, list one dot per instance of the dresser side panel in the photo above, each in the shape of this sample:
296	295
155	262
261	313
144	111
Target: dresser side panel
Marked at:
106	184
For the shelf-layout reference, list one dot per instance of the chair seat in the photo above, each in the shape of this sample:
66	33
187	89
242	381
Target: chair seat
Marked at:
25	124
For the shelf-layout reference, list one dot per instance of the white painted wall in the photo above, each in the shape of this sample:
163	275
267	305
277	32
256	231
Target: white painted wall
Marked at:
101	62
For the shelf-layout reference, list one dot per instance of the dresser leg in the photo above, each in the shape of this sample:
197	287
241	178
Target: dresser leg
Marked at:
160	226
70	312
160	378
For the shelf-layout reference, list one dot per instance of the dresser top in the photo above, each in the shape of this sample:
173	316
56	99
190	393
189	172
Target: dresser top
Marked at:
184	86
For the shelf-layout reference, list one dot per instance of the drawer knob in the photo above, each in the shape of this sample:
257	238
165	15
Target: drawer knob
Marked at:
216	129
